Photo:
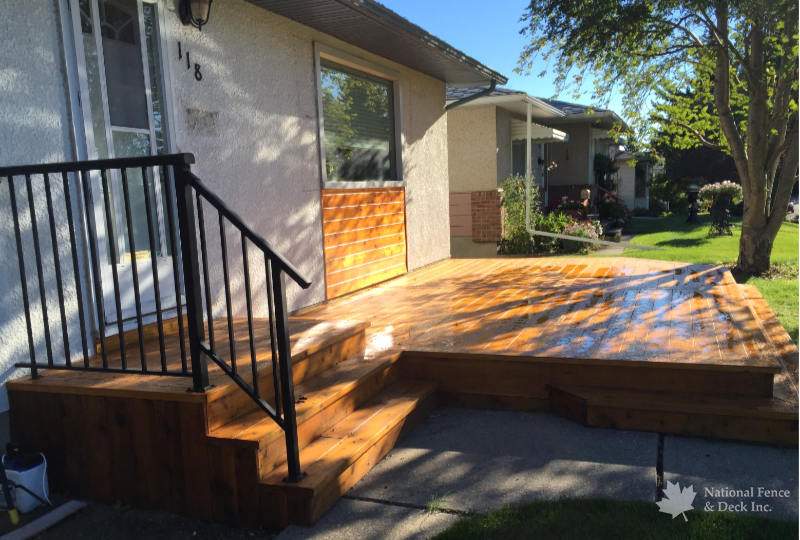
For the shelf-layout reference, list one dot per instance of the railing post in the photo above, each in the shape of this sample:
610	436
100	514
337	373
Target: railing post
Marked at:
191	275
285	371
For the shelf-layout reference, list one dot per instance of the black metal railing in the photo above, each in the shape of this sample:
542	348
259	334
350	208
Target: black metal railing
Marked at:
125	250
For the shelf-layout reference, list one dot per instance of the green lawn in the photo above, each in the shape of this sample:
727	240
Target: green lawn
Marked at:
679	241
599	519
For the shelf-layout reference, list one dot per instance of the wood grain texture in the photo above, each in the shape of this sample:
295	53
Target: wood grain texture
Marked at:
364	237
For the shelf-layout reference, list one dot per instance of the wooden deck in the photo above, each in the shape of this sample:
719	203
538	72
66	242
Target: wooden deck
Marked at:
613	309
615	342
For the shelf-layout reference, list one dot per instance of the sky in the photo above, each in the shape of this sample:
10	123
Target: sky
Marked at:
487	30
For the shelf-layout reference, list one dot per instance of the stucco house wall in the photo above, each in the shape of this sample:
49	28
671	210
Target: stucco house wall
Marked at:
472	148
251	123
504	163
34	127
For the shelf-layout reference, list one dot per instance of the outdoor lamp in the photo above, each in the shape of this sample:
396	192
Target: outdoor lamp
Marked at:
692	192
195	12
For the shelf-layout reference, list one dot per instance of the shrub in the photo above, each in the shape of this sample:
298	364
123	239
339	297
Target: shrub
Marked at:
553	222
717	198
584	229
516	240
613	209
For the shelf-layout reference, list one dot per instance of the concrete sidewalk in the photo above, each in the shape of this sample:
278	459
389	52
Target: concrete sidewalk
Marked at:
461	461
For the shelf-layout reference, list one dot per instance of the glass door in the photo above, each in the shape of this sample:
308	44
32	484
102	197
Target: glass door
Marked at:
118	47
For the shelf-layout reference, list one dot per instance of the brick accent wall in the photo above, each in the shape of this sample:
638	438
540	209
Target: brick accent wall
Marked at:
487	220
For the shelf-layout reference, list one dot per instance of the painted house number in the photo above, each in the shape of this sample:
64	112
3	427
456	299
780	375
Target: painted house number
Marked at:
198	75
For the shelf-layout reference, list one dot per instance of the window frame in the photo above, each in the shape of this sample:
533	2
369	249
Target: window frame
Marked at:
370	69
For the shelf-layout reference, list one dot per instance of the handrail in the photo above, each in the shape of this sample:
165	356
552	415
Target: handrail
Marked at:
100	164
239	223
86	187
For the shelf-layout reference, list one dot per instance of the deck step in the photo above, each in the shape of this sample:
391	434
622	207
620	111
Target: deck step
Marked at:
316	346
762	420
343	454
321	401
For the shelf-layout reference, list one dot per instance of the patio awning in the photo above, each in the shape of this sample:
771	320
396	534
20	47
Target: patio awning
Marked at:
514	101
379	30
539	133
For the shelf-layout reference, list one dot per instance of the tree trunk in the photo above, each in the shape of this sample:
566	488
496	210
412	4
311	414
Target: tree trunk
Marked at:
755	246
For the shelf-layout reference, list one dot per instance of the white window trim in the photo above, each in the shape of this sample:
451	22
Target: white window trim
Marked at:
325	52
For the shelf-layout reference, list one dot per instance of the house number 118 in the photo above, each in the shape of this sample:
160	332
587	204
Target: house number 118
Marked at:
198	75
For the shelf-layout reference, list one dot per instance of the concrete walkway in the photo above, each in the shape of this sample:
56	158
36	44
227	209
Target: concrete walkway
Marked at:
461	461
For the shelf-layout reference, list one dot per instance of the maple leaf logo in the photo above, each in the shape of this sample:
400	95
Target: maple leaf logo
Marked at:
677	500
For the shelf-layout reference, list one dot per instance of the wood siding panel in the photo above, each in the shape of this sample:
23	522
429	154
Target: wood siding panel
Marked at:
364	235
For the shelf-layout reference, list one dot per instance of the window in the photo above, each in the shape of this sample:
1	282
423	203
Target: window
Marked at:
359	125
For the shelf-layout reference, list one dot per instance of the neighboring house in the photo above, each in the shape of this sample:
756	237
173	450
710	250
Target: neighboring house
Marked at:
491	137
572	165
321	123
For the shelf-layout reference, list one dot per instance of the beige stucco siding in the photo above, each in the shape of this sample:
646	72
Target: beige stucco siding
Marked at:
504	164
472	148
34	127
252	123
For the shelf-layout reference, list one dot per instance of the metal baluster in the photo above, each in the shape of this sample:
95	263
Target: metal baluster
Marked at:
112	245
225	278
249	301
272	337
151	236
57	263
287	384
22	274
97	281
137	299
75	270
176	252
39	272
206	284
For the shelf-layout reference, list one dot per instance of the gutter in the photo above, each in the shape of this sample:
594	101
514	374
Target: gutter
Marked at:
476	95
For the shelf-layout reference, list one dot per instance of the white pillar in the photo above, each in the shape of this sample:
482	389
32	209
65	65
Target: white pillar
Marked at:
528	166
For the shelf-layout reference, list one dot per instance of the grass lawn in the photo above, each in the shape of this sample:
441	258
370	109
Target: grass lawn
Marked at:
679	241
595	518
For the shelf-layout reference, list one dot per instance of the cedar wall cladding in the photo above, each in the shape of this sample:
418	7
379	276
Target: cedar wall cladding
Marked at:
486	216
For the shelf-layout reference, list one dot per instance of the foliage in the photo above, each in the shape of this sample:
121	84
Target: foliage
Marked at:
725	74
611	208
604	170
604	519
583	229
717	198
726	188
516	238
666	190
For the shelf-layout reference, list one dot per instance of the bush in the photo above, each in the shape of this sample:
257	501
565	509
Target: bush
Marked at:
554	222
583	229
669	192
613	209
718	198
516	239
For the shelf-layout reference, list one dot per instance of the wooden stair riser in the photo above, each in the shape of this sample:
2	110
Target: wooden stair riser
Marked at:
772	431
232	402
520	380
769	427
272	453
305	506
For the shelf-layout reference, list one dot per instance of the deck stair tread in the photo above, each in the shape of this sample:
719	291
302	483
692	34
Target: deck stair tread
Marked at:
311	397
684	403
344	443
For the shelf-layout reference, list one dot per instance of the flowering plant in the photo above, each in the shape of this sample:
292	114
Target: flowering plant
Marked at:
711	192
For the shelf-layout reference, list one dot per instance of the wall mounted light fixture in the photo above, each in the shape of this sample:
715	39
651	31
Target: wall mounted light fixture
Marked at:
195	12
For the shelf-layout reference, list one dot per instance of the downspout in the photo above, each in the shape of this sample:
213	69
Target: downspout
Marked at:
476	95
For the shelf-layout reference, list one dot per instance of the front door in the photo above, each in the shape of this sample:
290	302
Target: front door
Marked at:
118	48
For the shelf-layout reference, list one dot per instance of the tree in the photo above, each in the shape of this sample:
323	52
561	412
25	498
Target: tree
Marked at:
747	49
